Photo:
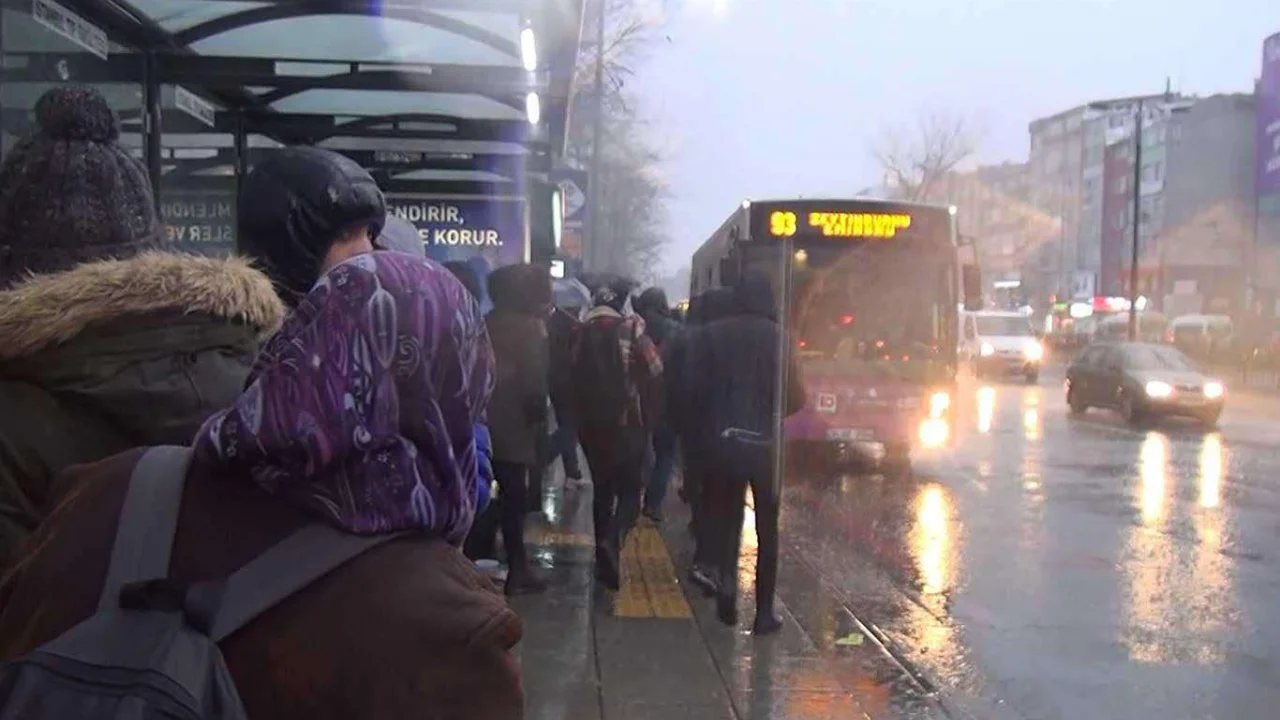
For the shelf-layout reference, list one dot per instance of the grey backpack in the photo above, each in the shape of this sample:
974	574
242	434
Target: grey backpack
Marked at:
151	650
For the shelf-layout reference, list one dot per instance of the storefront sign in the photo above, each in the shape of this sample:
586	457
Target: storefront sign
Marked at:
200	223
71	26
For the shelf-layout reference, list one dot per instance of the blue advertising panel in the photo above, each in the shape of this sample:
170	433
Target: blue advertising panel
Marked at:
485	233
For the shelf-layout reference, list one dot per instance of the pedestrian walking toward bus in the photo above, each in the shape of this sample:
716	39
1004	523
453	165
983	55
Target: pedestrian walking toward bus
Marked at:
561	328
109	343
652	306
357	421
738	361
616	371
685	412
518	412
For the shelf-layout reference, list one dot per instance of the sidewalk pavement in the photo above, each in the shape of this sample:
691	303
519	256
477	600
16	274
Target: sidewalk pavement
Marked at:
656	650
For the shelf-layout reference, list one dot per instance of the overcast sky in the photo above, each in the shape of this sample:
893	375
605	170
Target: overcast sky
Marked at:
779	98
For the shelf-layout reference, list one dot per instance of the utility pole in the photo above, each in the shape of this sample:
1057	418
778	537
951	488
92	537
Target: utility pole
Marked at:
592	249
1137	222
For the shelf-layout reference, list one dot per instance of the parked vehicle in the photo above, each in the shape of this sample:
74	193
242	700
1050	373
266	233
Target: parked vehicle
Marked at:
1207	338
1152	327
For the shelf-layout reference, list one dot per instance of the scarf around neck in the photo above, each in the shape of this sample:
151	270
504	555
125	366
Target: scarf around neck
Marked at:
362	408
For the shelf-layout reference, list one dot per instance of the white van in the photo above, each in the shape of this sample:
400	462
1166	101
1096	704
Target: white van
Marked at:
1000	343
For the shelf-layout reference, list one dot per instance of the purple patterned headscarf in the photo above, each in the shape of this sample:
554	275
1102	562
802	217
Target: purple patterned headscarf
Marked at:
361	408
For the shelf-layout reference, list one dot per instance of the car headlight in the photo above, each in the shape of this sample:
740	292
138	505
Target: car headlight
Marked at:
1159	389
939	403
987	349
1214	390
1033	351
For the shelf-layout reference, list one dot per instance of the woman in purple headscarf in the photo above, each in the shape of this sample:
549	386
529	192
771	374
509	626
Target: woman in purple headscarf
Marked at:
359	413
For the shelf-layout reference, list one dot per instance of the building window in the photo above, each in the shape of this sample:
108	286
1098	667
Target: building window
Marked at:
1120	220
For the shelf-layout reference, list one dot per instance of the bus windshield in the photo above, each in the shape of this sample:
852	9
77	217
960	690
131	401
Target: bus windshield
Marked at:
876	303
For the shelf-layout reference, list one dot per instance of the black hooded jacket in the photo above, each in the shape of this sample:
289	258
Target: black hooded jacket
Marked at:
294	205
732	365
658	323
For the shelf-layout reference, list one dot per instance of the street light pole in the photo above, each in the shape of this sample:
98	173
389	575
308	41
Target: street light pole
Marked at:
592	249
1137	221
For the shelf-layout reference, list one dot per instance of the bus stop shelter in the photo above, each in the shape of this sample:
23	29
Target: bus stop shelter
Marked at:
463	102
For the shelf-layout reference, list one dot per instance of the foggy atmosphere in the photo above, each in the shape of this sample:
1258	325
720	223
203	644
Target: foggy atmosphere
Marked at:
625	359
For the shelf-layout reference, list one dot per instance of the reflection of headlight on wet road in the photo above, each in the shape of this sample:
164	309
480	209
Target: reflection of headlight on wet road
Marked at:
1033	351
1211	453
939	404
987	349
934	433
1159	389
986	408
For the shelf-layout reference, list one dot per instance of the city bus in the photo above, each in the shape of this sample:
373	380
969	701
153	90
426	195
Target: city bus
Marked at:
868	293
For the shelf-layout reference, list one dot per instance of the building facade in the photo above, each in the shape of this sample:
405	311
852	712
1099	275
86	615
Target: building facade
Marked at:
997	219
1068	165
1205	243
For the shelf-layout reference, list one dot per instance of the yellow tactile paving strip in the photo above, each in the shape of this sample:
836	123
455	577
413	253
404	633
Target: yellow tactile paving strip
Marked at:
543	536
649	585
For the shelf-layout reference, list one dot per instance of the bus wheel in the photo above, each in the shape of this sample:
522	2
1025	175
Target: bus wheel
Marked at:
897	460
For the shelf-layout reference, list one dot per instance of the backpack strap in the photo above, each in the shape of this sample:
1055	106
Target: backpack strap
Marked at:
148	519
287	567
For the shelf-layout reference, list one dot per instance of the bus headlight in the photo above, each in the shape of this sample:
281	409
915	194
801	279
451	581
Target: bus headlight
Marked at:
987	349
1033	351
934	433
1214	390
939	404
1159	389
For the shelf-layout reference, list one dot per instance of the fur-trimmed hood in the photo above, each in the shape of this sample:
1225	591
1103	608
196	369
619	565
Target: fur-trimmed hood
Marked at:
48	310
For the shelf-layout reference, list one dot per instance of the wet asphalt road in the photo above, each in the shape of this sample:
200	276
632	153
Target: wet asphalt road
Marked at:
1055	567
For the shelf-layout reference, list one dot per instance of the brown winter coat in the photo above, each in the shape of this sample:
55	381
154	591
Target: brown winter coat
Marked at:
113	355
408	630
518	407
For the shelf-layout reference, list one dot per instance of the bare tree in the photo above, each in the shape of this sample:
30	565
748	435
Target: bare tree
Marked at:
915	162
631	197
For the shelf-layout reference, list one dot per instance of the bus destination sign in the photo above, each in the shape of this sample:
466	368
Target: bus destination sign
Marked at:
784	223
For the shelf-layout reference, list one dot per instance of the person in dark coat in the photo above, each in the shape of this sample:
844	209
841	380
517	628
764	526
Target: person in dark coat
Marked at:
108	342
652	306
517	414
303	210
400	235
684	410
617	372
406	630
563	443
735	363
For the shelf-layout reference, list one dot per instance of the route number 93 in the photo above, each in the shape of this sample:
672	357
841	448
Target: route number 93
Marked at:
782	223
